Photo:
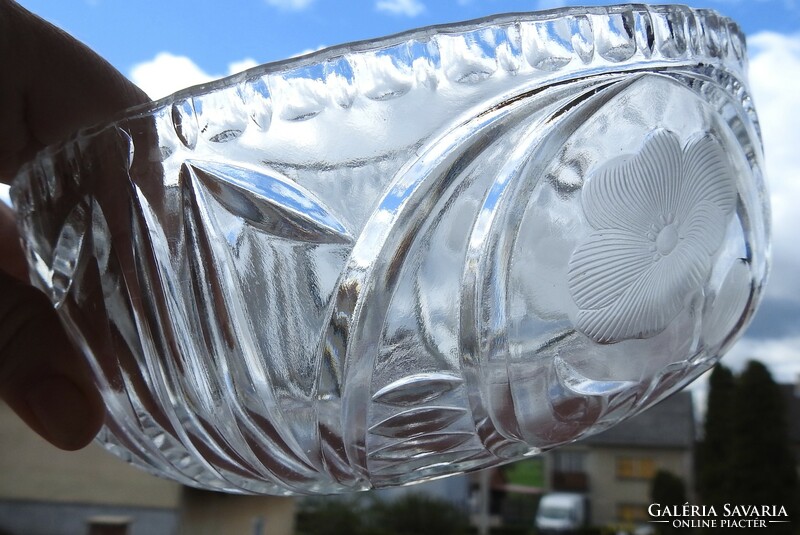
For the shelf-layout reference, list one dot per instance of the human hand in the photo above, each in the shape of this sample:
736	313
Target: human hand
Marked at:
50	86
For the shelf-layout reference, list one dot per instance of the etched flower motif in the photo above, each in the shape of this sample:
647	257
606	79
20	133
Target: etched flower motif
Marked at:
658	217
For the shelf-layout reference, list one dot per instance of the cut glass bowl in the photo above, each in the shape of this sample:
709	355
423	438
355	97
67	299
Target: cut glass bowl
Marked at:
414	256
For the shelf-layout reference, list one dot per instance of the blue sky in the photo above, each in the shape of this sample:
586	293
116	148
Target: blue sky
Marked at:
164	46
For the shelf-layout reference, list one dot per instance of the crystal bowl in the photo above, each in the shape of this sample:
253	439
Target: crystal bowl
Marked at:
413	256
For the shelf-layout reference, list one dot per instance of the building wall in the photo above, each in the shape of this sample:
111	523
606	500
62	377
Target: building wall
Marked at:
47	491
212	513
23	517
608	491
33	470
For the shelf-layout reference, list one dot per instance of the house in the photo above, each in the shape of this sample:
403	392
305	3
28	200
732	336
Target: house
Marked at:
44	490
47	491
615	468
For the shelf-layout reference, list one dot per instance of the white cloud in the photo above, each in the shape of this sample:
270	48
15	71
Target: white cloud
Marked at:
167	73
780	355
409	8
774	79
290	5
308	51
242	65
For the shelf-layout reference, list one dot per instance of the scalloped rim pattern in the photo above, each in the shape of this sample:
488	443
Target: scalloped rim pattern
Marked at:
542	47
557	44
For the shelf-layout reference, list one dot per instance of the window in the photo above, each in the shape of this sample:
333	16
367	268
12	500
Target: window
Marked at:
632	513
635	468
569	471
568	461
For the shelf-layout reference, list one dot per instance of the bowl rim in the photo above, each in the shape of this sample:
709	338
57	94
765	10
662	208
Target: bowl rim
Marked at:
425	34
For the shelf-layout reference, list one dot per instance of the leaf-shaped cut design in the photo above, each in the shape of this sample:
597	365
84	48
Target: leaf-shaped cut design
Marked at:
422	446
430	464
575	397
69	251
226	135
576	382
185	122
416	389
416	422
275	205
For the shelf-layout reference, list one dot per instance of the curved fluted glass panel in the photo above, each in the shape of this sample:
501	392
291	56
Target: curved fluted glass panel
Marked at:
415	256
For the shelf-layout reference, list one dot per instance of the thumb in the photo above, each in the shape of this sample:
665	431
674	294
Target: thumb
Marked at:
42	377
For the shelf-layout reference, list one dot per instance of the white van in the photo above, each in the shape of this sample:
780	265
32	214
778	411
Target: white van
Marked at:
561	513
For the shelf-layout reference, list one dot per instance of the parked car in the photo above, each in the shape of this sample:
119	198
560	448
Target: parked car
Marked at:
561	513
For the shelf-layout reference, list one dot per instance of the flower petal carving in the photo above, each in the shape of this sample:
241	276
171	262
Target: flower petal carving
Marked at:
628	191
605	265
659	216
707	177
275	205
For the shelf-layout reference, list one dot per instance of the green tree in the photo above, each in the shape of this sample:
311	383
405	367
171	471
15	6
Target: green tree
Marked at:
329	516
762	463
418	514
667	489
411	514
714	452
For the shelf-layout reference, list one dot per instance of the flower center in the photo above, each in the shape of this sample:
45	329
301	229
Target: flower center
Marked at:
667	239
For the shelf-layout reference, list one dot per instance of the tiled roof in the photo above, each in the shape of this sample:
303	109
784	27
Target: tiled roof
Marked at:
669	424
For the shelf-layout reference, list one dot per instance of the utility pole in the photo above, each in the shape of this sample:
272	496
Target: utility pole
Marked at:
483	515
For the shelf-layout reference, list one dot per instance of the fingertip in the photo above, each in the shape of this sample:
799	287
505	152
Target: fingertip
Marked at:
42	377
64	414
